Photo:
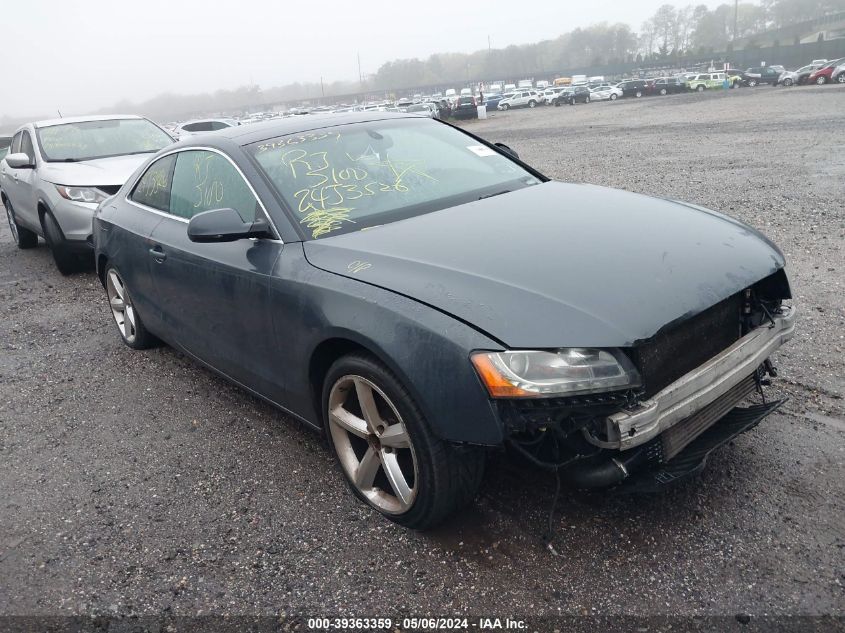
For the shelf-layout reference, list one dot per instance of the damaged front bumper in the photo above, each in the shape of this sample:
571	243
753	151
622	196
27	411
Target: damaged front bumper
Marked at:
695	390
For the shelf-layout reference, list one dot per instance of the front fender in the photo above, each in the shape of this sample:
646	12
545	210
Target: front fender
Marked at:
426	349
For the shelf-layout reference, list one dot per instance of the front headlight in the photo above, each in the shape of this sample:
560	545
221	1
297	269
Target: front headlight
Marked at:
570	371
81	194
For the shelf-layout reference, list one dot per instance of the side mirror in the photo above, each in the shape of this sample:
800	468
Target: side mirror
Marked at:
19	161
224	225
506	150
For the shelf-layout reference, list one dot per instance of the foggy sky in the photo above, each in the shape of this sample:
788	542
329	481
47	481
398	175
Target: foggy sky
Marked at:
79	55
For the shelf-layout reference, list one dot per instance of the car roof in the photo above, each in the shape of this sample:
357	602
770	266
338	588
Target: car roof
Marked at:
84	119
255	132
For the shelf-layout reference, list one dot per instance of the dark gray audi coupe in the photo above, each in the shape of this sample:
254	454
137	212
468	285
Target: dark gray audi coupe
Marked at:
424	296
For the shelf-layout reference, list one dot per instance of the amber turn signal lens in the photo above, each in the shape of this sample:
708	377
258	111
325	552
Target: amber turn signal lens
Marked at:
496	384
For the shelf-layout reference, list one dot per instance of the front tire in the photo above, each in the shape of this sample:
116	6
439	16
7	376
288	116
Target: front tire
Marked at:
66	261
638	94
752	83
587	99
125	315
389	456
787	82
613	97
24	238
700	88
532	103
841	78
820	81
505	106
663	92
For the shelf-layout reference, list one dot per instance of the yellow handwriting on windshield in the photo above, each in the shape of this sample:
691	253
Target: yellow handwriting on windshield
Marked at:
326	192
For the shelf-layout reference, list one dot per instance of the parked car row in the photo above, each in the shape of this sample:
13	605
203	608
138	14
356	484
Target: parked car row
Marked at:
295	258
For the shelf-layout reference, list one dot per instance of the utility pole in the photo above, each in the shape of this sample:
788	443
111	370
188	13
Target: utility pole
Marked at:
736	16
360	76
489	45
322	88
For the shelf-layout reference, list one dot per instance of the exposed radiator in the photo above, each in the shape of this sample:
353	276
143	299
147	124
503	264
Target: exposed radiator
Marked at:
676	438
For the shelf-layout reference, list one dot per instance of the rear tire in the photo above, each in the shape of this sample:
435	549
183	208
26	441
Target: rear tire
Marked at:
66	261
613	97
663	92
820	81
787	82
638	94
125	314
414	479
752	83
700	88
532	103
24	238
505	106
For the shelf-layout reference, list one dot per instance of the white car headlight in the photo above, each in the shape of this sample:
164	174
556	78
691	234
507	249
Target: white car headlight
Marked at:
81	194
569	371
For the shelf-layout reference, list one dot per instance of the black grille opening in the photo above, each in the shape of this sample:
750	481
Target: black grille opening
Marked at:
678	349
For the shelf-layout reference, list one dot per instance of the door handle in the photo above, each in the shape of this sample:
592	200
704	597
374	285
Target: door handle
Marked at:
158	254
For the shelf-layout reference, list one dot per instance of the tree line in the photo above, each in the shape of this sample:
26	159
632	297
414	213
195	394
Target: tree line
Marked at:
671	32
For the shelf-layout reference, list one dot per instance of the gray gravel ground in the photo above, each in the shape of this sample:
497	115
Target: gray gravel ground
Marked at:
136	482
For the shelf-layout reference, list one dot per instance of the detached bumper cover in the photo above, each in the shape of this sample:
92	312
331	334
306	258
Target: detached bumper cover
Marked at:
698	388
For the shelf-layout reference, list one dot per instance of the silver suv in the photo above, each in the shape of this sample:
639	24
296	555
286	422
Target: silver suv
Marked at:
58	171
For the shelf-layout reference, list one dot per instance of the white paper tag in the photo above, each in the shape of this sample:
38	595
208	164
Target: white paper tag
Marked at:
481	150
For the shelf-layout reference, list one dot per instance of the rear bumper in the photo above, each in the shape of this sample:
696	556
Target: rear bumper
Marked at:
698	388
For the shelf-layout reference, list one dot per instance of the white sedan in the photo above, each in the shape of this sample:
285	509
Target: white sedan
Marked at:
605	92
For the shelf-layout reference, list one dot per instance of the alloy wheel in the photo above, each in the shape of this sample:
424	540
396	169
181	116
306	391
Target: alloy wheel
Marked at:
12	226
841	78
373	444
121	306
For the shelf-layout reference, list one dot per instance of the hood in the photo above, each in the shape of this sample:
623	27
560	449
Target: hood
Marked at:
559	265
113	171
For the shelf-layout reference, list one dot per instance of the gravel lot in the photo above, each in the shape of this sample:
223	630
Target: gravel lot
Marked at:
138	483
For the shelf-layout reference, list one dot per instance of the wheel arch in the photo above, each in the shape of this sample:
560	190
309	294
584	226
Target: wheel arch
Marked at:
102	264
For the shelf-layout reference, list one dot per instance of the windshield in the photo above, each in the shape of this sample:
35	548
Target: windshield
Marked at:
88	140
351	177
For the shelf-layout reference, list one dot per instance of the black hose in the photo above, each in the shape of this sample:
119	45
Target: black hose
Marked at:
604	473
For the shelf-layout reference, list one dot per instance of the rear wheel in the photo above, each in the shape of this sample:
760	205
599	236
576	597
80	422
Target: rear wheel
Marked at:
752	83
638	94
700	88
532	103
24	238
389	456
841	78
787	82
66	261
821	80
663	92
613	97
505	106
126	317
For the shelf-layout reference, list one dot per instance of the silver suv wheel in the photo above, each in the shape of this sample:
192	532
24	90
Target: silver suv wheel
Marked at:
12	225
373	444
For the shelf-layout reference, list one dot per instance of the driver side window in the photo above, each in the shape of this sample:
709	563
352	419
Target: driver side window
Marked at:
204	180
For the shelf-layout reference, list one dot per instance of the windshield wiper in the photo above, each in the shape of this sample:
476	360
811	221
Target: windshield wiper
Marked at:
490	195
